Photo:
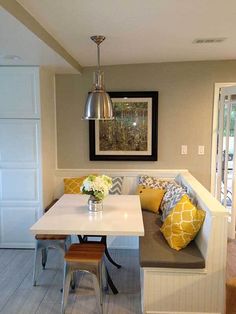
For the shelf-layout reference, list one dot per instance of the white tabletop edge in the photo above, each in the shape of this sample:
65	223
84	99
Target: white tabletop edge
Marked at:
87	232
122	216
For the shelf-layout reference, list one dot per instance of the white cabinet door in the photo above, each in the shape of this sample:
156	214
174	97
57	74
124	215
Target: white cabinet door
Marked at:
20	181
19	92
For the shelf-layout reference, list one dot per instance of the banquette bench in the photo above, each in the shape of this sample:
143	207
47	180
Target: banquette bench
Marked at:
188	281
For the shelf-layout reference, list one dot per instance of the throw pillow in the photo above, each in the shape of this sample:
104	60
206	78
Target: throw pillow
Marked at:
72	185
150	198
116	186
182	224
153	182
173	195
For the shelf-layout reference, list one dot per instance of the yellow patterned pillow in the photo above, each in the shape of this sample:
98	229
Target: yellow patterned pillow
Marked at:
182	224
72	185
150	198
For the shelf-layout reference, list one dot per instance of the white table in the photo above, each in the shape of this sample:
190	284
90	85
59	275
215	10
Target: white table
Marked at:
121	216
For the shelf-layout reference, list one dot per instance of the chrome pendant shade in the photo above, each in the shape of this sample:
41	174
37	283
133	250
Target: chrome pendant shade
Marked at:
98	104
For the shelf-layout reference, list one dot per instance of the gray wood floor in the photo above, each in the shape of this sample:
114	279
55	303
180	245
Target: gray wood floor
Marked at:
18	296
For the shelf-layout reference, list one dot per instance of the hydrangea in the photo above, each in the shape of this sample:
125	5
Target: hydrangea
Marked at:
97	186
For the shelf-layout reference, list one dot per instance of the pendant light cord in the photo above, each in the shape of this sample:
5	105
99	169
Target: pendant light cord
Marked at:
98	53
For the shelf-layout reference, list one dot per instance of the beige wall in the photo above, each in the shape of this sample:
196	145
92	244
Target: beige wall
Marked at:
47	98
185	112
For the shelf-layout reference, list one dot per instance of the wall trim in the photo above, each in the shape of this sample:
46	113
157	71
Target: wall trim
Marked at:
120	172
163	270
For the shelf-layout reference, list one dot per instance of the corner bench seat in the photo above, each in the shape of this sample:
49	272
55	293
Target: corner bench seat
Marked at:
155	251
173	282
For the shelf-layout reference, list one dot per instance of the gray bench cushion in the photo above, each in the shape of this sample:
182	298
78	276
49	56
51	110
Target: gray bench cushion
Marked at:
155	251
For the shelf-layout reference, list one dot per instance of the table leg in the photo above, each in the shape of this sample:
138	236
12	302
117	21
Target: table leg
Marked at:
110	283
110	259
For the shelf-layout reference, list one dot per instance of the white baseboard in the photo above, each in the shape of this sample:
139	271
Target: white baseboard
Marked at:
18	246
170	312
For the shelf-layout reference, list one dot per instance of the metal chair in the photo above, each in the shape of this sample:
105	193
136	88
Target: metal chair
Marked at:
43	242
86	257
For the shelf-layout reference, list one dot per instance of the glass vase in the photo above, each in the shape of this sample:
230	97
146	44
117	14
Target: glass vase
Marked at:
94	205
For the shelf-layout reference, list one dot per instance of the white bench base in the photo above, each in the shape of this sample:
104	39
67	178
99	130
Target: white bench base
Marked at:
177	291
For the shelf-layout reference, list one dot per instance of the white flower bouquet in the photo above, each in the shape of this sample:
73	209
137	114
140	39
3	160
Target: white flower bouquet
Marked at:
97	186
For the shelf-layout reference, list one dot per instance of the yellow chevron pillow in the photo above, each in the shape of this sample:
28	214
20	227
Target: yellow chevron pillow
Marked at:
182	224
72	185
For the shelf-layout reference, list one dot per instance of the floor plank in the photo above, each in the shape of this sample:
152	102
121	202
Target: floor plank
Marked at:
14	274
18	296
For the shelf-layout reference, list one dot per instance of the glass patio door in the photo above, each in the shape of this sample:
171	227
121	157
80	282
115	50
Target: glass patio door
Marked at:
226	158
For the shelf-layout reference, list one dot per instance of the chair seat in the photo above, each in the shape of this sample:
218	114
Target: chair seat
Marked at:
81	252
50	237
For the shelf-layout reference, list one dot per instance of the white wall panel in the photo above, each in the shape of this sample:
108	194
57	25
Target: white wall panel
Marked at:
19	92
18	141
15	227
19	185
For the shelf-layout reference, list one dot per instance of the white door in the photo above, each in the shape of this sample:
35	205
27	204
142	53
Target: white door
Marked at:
225	183
20	197
20	161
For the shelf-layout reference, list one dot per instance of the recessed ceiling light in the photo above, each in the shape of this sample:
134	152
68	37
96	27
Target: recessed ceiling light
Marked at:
209	40
11	57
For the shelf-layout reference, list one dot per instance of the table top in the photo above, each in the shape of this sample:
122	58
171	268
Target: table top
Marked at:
121	216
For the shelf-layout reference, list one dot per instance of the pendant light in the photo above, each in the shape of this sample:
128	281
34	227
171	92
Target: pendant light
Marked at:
98	104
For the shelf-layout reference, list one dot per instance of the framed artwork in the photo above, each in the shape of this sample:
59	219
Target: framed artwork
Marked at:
132	135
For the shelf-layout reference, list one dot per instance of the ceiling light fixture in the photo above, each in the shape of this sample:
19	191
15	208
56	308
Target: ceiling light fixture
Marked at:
10	57
98	104
209	40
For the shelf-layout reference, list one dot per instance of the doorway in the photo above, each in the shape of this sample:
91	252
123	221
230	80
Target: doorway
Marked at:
223	172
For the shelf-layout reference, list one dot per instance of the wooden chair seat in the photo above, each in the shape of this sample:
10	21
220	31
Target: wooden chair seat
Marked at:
50	237
81	252
87	257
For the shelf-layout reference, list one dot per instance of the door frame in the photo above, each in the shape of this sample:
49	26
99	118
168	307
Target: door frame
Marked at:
217	88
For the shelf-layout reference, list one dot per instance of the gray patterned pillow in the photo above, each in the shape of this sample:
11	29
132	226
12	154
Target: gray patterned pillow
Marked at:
116	186
173	195
153	182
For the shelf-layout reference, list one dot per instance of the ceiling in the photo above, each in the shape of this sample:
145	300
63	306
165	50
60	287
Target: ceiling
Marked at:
17	41
136	31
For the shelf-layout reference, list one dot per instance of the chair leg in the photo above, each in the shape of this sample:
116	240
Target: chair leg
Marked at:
97	291
36	257
104	277
101	282
68	242
73	281
66	286
44	257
